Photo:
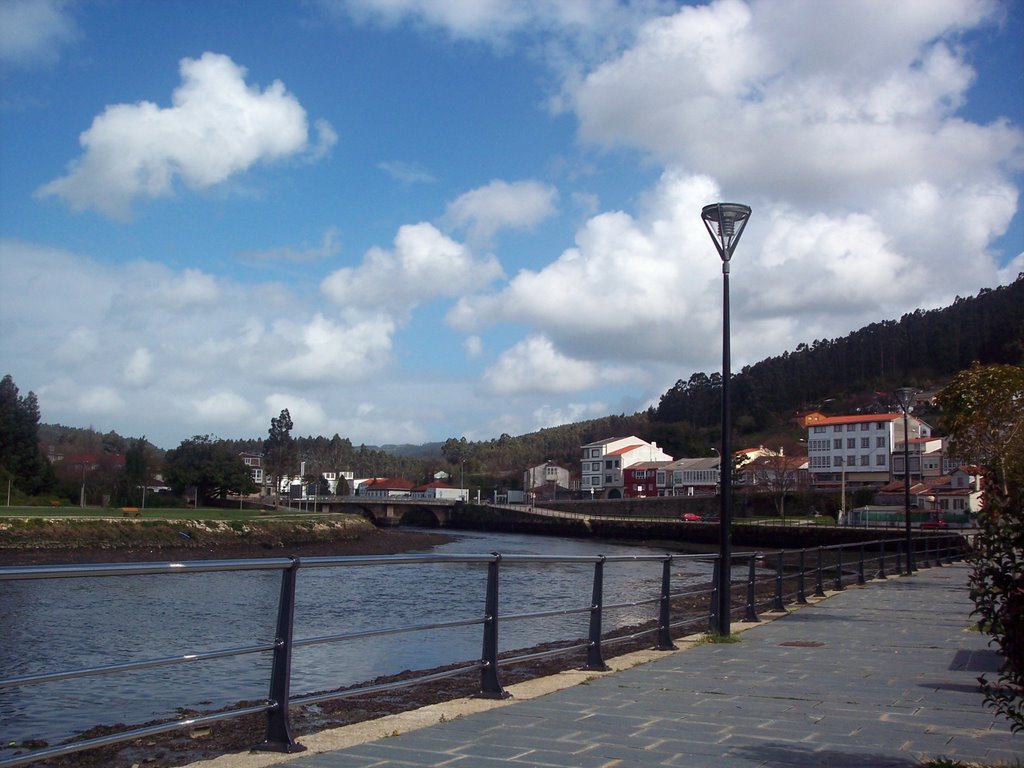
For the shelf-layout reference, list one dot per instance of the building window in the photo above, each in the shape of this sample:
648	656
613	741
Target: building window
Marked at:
837	461
880	442
865	427
837	443
851	442
880	460
819	430
608	479
837	428
865	460
851	427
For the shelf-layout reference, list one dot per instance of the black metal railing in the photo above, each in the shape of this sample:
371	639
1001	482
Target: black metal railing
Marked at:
772	580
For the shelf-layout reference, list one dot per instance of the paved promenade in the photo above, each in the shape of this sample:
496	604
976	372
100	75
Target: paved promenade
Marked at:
879	676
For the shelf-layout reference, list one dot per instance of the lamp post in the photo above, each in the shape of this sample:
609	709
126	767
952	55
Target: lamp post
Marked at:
725	223
904	396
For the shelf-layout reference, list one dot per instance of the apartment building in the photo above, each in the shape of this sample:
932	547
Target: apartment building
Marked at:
858	450
603	463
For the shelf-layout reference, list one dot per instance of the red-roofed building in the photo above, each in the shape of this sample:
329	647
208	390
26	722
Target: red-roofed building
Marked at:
604	462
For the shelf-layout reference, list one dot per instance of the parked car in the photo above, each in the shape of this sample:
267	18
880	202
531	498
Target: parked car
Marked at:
690	517
711	517
931	525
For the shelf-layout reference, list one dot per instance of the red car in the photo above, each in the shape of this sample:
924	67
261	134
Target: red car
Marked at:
690	517
931	525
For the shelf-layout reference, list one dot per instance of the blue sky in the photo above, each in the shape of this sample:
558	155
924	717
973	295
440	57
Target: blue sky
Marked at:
409	220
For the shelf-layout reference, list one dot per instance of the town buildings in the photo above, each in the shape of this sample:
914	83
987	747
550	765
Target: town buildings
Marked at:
603	462
858	450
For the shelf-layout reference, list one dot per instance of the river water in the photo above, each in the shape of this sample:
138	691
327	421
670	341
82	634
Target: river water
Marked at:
62	624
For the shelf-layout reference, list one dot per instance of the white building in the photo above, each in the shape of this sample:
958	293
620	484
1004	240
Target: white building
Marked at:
603	462
857	450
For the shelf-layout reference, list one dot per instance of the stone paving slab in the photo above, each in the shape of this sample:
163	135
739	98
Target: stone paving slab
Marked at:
878	676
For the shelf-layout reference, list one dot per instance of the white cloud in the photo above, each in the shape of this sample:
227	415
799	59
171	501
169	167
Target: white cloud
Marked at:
501	204
425	264
626	277
534	365
33	31
490	19
407	173
823	113
142	344
325	350
216	128
79	345
138	371
305	254
222	408
647	287
474	346
101	400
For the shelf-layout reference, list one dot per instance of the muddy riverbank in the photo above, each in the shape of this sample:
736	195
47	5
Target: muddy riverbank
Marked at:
42	541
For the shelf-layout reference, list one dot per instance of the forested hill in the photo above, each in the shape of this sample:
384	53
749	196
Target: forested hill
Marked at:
920	349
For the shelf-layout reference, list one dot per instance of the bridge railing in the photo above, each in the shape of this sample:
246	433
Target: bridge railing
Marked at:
771	580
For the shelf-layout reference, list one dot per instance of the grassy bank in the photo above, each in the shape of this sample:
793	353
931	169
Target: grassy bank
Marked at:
192	534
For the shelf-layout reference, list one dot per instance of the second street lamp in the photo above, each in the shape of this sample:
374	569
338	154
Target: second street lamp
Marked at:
725	223
905	396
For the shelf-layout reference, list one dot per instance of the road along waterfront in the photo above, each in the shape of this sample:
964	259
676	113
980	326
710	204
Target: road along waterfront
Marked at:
77	623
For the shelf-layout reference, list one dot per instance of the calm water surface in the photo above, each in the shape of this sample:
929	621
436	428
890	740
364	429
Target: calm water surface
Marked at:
64	624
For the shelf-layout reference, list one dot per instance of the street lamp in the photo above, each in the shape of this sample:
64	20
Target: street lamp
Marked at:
729	220
904	396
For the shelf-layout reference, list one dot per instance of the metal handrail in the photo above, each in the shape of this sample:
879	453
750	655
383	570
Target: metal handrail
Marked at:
279	699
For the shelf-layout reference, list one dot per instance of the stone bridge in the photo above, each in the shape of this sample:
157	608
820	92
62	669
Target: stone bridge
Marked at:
389	512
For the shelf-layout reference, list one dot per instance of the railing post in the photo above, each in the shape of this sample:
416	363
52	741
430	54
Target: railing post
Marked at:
860	566
664	609
839	569
594	658
819	588
801	593
713	612
899	562
881	560
751	614
278	736
490	685
777	604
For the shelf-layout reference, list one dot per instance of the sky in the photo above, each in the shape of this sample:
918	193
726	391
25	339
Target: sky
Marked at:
411	220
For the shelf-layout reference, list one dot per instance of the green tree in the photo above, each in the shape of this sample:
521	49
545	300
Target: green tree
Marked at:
20	455
210	465
136	466
280	454
983	408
